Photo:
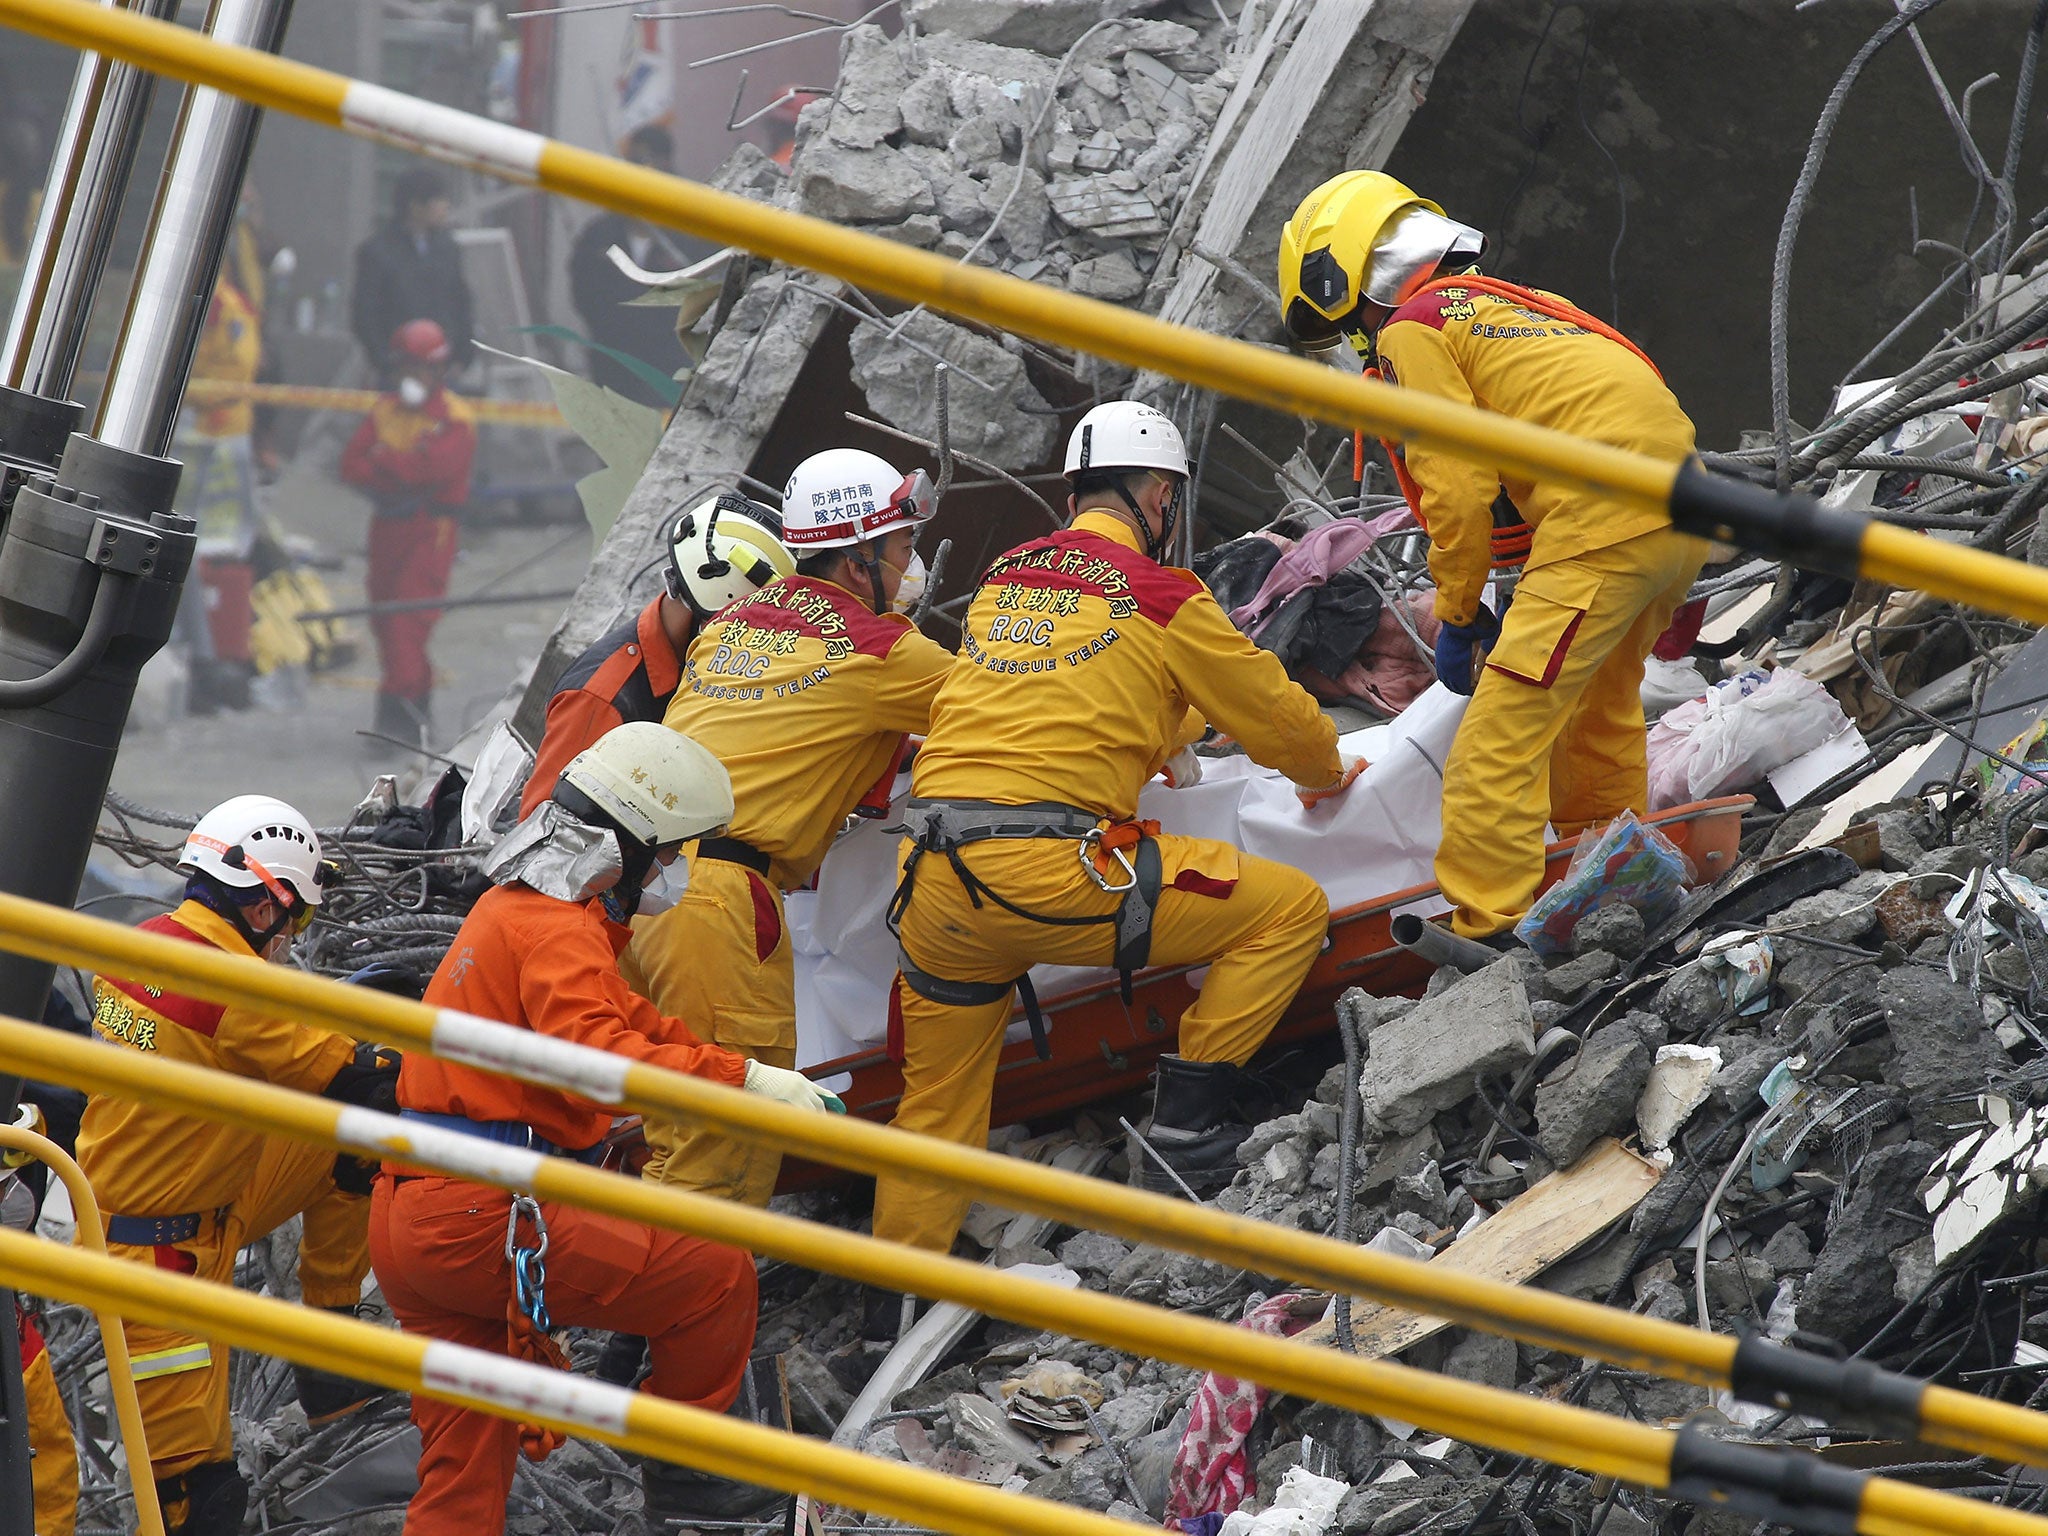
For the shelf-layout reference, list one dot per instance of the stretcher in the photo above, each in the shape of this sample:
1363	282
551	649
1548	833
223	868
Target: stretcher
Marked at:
1102	1049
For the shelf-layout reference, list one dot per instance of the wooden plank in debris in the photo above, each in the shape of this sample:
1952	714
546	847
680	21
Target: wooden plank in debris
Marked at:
1517	1242
1894	779
1268	138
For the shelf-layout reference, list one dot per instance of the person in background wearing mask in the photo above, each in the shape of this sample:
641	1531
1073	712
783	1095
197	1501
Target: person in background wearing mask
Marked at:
807	691
538	952
411	456
185	1195
410	269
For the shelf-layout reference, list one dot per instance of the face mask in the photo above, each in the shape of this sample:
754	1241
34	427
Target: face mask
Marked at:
664	888
1342	355
911	591
412	392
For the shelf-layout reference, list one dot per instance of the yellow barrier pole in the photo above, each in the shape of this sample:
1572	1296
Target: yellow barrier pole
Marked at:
1689	1466
149	1514
512	1389
1518	1425
1941	1414
1794	527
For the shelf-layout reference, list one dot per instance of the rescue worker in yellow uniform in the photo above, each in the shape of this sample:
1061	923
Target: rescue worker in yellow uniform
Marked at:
1085	666
1555	729
53	1473
185	1195
807	691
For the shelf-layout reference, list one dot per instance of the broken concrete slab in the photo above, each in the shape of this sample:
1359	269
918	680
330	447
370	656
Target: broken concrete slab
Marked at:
988	394
1592	1095
1047	26
1425	1060
1944	1047
1851	1284
859	186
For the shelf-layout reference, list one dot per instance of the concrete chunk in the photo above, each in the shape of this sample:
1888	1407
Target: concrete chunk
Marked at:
1425	1060
871	186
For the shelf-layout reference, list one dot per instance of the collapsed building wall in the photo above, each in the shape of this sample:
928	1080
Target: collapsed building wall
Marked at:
1077	144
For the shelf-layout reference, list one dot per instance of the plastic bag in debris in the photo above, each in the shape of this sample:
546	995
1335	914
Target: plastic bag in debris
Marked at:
1623	864
1738	733
1668	684
1740	963
2029	747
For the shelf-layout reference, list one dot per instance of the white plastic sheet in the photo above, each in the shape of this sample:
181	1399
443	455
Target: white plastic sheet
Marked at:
1379	836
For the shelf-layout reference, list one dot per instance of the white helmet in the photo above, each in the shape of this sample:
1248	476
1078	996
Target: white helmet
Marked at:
847	496
656	785
1122	434
255	840
723	549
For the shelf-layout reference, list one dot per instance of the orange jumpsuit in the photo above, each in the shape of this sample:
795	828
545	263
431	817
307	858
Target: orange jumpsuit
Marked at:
628	674
54	1471
241	1185
806	695
1080	663
547	965
1555	729
414	465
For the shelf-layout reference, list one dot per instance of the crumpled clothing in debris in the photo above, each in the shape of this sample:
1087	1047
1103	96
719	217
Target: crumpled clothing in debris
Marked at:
1319	555
1235	571
1390	673
1212	1474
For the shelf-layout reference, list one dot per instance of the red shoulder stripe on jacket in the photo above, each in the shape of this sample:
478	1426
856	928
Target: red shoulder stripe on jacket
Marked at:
195	1014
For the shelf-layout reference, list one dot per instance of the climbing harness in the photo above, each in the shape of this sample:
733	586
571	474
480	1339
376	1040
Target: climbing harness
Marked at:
944	827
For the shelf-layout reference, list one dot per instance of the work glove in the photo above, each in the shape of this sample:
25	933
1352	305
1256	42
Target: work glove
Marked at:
1183	770
1353	767
789	1088
1458	647
370	1081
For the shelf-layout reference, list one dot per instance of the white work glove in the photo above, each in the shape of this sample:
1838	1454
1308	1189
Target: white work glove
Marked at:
1183	770
1353	767
789	1088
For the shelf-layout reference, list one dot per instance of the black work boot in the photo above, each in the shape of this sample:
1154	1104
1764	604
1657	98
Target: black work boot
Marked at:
624	1355
327	1397
1192	1128
206	1500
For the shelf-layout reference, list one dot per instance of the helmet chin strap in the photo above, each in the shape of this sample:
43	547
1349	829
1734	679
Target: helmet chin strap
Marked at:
871	562
1169	515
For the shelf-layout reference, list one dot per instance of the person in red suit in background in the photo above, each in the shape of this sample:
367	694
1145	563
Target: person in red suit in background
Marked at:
412	457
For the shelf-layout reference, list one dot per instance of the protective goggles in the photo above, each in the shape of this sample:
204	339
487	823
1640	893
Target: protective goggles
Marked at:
916	498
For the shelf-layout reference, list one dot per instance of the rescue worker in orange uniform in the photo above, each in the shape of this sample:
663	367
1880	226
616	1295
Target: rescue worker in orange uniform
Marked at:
411	456
1555	729
186	1195
807	691
1085	668
539	952
719	551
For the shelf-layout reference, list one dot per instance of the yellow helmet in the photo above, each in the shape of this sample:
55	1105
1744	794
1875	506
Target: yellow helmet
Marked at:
1360	236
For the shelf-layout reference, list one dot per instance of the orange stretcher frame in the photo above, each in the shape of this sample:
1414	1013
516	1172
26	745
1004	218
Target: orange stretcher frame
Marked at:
1101	1049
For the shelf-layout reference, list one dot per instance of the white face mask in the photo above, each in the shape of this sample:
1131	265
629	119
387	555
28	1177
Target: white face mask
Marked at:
910	592
664	888
1340	355
412	392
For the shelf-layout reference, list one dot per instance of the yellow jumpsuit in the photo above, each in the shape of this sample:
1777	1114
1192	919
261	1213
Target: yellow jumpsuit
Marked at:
54	1470
805	695
145	1161
1555	729
1083	666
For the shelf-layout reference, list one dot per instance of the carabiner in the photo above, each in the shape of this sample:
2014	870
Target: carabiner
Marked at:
529	1265
1089	846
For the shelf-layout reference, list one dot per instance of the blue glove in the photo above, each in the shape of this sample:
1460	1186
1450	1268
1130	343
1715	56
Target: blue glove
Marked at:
1458	647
